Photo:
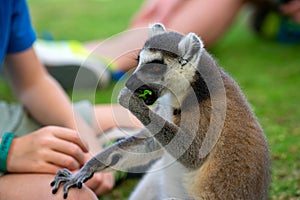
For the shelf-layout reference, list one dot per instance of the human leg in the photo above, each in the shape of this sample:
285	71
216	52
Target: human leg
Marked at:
36	187
207	18
111	115
19	122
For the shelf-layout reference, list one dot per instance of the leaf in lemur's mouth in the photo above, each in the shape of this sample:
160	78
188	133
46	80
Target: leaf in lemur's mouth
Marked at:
147	94
144	93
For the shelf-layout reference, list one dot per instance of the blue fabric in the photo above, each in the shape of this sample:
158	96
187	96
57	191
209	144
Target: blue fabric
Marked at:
16	32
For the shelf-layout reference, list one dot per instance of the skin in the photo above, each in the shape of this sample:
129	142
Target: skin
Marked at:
65	141
207	18
292	9
210	23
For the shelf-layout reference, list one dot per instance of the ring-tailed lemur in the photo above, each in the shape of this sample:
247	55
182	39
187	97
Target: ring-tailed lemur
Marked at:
208	143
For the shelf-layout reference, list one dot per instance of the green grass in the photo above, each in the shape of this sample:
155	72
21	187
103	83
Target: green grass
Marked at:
267	72
82	20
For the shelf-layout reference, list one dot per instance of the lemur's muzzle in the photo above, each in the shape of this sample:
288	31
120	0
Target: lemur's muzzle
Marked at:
144	90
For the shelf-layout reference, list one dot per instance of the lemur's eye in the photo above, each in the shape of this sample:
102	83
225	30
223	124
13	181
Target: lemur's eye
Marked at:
156	62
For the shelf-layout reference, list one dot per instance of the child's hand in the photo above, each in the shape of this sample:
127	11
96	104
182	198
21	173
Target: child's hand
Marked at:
46	151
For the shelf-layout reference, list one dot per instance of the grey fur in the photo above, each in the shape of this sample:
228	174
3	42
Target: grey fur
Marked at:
208	140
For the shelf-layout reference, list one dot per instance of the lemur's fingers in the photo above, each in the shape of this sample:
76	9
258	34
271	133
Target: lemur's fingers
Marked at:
84	178
76	181
62	175
68	185
124	97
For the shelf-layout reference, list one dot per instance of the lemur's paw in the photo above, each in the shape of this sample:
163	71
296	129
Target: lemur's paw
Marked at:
124	97
69	180
130	100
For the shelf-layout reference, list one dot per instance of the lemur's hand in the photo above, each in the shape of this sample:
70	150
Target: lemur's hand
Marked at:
124	97
136	105
71	180
131	101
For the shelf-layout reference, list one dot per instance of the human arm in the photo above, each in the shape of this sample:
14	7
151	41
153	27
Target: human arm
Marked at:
37	91
47	103
43	98
207	18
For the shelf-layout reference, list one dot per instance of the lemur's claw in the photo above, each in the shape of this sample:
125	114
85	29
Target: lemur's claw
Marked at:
69	180
62	175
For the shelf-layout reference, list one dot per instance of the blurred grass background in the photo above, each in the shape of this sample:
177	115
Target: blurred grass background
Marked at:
267	72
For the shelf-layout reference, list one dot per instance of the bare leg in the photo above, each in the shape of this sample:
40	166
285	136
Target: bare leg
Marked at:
110	116
207	18
36	187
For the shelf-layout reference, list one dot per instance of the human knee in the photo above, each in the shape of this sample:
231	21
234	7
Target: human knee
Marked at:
79	194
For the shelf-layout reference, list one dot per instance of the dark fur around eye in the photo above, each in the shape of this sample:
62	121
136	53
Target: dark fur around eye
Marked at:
156	62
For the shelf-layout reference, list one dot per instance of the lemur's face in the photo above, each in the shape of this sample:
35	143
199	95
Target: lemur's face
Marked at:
149	75
159	73
166	64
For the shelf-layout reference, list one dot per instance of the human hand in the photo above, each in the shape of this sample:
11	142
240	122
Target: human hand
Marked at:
101	182
46	151
292	9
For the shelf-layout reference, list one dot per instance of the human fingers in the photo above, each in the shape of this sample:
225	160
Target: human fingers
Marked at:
108	182
70	135
68	148
62	160
101	183
31	161
43	167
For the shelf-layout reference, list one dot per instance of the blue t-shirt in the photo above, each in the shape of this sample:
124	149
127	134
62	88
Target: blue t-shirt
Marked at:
16	32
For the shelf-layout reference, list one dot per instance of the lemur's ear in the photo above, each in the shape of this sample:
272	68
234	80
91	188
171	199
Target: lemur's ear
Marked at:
156	29
189	46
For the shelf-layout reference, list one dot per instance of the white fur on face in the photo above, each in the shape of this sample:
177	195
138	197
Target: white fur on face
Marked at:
147	56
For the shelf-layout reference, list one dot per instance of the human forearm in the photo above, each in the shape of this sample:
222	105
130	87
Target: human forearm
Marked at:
42	96
37	91
48	104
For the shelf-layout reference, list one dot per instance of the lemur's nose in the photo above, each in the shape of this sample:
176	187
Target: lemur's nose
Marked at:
134	83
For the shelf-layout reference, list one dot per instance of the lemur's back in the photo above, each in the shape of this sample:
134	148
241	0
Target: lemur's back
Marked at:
238	166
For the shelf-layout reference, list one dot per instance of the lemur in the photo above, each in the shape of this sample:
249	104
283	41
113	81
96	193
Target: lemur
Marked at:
207	142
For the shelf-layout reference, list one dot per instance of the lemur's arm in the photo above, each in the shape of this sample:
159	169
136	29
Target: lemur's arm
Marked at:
134	151
176	141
